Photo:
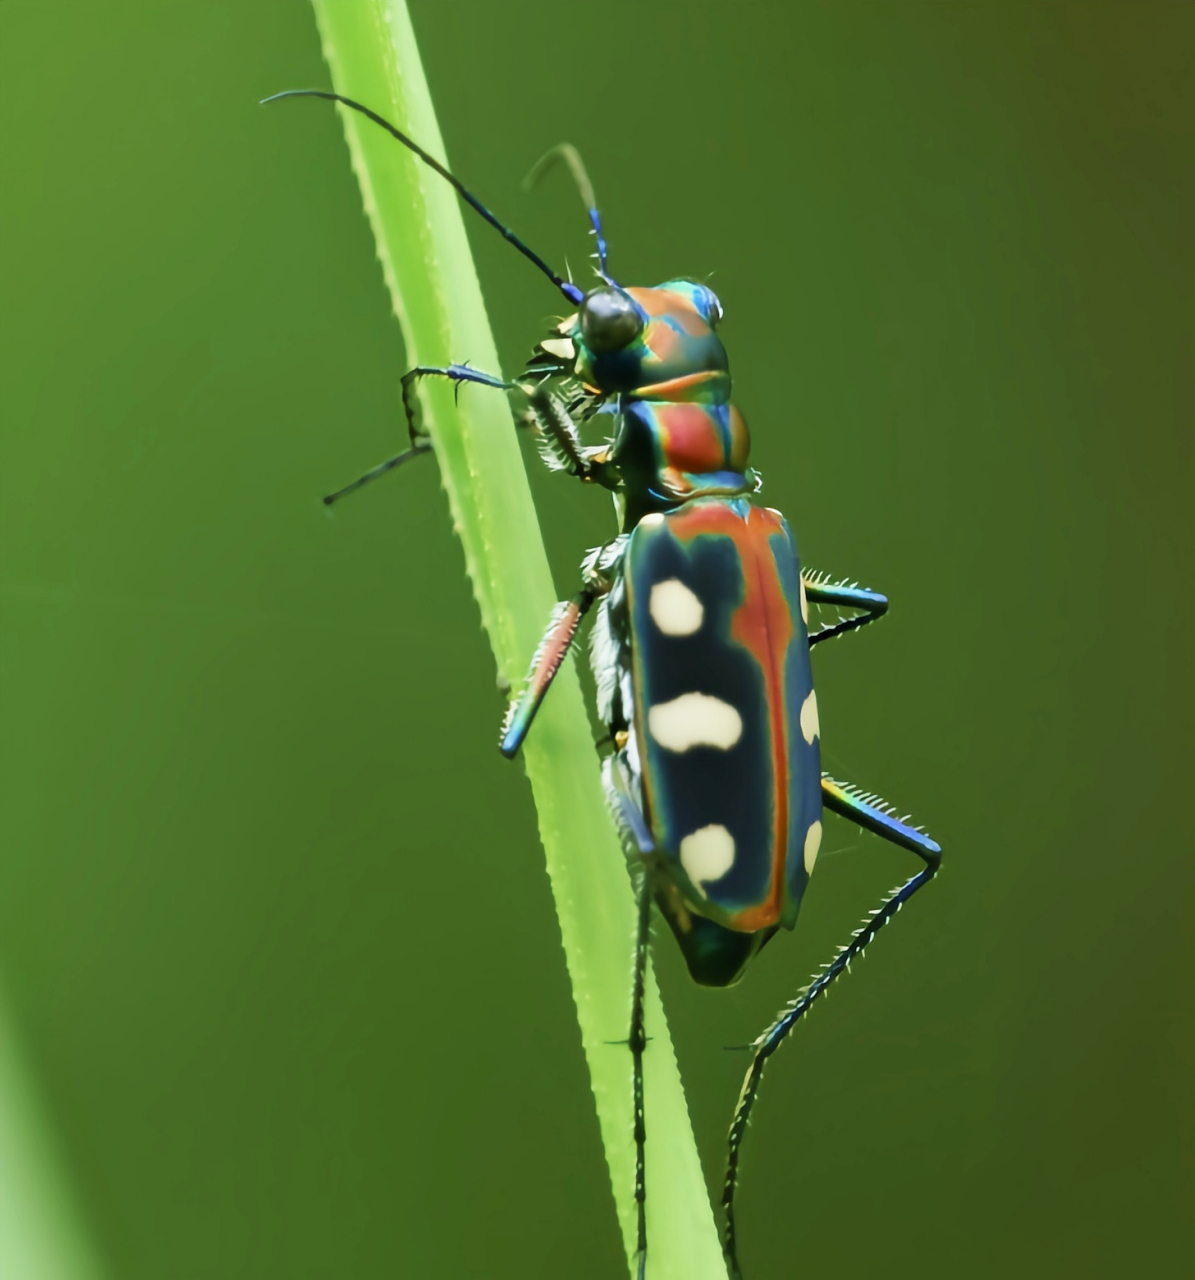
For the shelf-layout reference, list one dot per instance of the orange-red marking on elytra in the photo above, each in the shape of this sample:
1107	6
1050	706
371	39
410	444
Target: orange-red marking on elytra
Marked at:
763	625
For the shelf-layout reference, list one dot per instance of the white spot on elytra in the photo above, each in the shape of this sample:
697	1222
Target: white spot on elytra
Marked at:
675	609
652	520
706	855
813	842
804	604
695	720
810	726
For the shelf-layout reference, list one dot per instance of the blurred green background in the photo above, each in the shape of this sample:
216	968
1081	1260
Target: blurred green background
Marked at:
277	955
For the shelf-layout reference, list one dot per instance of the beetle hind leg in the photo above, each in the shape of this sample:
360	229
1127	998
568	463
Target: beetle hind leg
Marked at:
637	840
638	1044
877	816
872	814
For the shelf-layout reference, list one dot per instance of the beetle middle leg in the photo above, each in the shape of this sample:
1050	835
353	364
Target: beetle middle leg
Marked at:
558	639
844	595
597	574
870	813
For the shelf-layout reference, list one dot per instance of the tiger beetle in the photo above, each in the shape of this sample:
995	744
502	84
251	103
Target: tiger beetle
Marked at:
700	644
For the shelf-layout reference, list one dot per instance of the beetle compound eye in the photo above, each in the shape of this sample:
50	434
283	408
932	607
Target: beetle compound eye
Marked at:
609	321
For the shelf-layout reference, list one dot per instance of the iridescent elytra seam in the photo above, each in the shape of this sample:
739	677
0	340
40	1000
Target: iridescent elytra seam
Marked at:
700	645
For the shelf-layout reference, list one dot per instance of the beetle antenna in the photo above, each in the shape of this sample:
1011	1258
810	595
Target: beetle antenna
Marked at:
576	166
570	291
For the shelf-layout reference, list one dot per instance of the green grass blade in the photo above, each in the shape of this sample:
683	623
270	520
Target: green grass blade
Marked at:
417	223
42	1235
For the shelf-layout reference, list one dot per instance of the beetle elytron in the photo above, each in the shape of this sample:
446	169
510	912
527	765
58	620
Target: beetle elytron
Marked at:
700	645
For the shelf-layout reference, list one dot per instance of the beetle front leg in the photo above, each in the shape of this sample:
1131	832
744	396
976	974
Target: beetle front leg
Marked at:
870	813
420	444
457	373
560	442
374	473
560	445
